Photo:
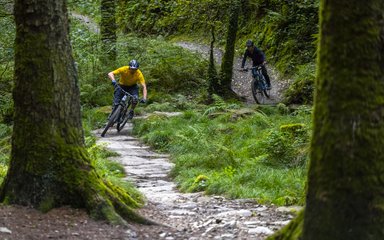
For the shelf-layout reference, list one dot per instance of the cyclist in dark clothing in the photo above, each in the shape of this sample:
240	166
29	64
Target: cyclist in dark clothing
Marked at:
258	58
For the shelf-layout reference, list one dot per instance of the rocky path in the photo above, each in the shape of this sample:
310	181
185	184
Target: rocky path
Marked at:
187	215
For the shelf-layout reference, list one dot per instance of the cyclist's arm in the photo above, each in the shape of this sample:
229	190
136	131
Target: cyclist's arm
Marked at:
111	76
244	60
144	90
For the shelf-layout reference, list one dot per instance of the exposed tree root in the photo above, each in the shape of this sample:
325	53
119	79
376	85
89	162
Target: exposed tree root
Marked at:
292	231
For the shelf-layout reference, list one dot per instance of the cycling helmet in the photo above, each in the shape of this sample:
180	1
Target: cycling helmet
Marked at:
249	43
133	64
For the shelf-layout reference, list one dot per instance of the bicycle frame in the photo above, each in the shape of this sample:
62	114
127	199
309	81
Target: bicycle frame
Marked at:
124	99
259	77
258	85
119	113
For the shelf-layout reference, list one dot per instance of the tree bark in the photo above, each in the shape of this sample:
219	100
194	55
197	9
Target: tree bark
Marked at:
108	29
49	165
227	62
212	73
345	184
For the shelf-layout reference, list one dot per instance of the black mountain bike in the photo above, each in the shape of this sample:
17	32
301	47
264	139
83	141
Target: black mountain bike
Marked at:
120	113
259	85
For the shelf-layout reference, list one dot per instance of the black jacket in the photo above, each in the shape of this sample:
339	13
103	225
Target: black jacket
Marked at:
257	57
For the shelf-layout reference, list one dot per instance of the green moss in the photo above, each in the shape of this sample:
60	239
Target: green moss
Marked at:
292	231
47	203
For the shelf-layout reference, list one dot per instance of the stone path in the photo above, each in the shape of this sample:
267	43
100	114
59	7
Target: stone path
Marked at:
189	215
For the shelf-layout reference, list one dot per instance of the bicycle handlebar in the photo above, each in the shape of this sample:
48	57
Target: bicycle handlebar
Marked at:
250	68
125	92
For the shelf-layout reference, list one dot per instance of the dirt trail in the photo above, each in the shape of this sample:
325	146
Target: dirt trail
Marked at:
187	215
241	81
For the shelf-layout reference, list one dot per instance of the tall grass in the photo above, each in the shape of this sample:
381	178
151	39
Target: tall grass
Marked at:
242	153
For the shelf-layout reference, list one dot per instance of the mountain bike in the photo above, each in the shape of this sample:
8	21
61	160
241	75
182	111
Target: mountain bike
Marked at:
120	112
259	85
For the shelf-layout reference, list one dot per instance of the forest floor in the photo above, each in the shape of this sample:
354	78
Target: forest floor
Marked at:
180	215
189	216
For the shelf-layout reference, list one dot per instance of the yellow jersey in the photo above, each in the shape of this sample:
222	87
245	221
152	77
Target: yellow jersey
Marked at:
129	78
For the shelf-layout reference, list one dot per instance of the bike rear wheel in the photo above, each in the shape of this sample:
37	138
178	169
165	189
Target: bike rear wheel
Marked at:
112	119
124	117
259	95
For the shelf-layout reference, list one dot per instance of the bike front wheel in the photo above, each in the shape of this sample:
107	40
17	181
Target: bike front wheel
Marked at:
112	119
124	118
258	94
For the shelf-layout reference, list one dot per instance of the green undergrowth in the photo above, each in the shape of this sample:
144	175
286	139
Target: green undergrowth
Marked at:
257	152
100	157
110	170
5	149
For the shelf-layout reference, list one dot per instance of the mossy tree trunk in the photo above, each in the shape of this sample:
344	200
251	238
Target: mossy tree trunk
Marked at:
108	29
345	184
49	164
227	62
212	73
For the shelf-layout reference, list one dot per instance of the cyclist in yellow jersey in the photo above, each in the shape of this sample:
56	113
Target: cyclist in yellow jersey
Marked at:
130	77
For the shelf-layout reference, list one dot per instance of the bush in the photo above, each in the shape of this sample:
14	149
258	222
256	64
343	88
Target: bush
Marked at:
287	147
302	89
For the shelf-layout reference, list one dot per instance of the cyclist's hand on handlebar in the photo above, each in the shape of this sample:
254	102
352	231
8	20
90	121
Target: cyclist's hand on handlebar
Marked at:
143	100
114	83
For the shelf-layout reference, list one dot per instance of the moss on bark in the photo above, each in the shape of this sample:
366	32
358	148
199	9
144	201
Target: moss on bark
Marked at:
345	193
292	231
345	188
227	62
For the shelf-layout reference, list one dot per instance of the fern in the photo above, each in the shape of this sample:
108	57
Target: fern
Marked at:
220	105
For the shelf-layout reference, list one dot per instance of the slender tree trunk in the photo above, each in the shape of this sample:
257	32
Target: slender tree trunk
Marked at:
49	163
212	73
345	185
108	29
227	63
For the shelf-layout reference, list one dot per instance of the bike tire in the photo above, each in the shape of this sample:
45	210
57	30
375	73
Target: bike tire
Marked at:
121	124
258	95
111	120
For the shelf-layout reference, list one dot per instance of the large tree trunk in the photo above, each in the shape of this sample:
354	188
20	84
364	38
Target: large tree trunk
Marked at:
49	163
346	193
345	187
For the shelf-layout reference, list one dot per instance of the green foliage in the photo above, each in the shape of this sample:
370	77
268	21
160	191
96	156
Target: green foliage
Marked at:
238	151
165	18
5	149
302	89
7	36
286	147
94	89
219	105
199	184
285	30
166	67
89	8
110	170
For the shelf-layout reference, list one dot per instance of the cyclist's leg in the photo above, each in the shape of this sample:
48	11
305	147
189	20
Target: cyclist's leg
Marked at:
265	74
117	96
254	72
134	91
